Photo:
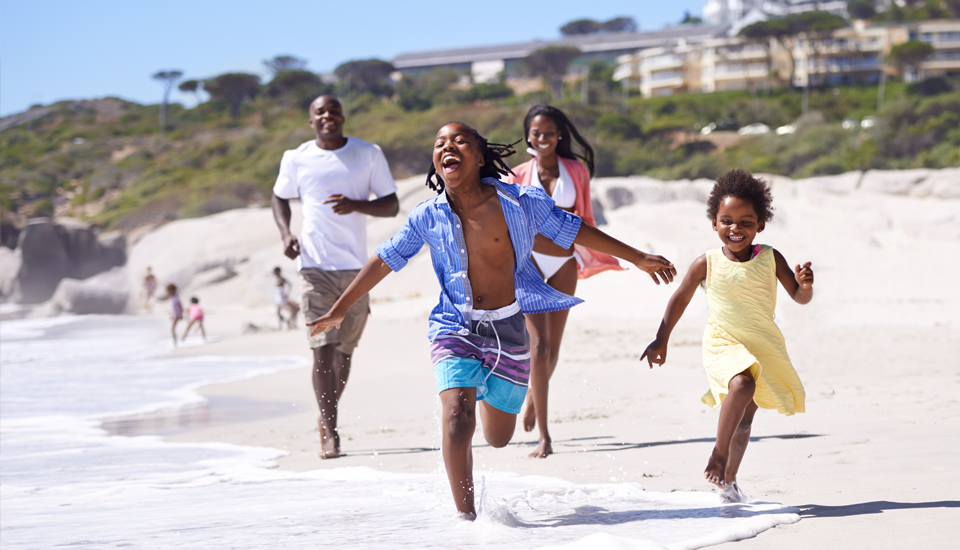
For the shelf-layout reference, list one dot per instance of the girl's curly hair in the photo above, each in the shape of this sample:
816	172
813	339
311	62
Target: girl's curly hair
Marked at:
741	184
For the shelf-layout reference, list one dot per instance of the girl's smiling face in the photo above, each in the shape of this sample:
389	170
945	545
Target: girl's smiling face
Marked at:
737	224
543	135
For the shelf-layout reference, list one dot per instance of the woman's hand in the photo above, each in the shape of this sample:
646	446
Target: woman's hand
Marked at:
656	265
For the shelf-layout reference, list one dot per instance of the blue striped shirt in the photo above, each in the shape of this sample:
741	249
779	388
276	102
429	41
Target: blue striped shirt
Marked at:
527	210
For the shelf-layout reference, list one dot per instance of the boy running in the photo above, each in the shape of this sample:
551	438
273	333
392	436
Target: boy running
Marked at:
480	233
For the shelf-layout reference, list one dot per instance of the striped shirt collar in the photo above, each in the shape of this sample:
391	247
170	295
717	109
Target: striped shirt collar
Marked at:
501	190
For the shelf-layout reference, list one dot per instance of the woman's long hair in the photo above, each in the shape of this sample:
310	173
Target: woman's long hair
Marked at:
493	164
568	134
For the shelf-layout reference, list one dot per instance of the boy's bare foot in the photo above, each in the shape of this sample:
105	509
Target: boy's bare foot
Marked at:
715	468
529	417
544	449
329	442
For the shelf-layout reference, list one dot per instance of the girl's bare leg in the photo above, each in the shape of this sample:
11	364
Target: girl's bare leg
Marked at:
738	444
202	332
173	331
739	397
546	334
459	422
187	330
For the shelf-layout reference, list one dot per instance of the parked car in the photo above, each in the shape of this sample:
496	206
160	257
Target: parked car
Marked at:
754	129
850	124
868	122
720	125
786	129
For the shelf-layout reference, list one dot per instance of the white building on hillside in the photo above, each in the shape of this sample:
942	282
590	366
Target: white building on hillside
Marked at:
740	13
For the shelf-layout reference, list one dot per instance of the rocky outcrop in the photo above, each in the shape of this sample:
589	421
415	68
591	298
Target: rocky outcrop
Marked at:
106	293
9	267
52	251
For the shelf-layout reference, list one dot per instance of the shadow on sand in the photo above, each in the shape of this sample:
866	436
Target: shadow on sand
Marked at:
596	515
875	507
608	443
595	444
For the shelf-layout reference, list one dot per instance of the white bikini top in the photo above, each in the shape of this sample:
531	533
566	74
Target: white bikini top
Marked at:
564	192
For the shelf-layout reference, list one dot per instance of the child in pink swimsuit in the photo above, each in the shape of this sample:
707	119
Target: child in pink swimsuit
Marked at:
196	316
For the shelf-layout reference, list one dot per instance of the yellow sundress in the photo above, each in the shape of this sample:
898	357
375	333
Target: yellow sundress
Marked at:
741	334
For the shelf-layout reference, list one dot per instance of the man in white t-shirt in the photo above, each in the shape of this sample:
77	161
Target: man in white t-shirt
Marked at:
334	177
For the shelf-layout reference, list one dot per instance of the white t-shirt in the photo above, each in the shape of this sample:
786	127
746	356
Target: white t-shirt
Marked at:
330	241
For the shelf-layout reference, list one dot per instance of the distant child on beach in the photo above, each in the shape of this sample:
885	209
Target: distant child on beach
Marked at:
743	350
283	300
149	288
480	233
176	312
196	316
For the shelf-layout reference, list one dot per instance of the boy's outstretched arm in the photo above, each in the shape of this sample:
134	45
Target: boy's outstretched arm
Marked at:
656	352
797	281
594	239
370	275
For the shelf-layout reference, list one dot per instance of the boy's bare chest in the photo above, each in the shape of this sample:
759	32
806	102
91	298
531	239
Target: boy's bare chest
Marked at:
487	236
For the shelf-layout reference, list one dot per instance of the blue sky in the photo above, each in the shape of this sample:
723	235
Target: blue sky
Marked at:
95	48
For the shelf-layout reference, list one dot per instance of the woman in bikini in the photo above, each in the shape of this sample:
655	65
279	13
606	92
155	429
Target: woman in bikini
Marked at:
565	176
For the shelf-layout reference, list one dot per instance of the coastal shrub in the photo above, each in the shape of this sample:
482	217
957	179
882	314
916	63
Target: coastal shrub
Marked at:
617	126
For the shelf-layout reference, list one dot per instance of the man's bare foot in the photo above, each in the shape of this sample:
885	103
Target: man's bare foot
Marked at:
544	449
529	417
715	468
329	441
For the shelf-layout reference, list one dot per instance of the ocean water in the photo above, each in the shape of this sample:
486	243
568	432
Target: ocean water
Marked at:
67	481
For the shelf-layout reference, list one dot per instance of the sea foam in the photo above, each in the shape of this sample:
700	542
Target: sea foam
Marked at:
64	481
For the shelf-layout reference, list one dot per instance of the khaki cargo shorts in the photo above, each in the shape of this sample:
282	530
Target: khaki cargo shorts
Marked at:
321	289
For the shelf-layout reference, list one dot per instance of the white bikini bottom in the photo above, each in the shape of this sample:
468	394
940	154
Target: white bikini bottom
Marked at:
549	265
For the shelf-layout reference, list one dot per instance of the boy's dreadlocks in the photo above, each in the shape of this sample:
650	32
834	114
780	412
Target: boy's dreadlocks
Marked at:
493	165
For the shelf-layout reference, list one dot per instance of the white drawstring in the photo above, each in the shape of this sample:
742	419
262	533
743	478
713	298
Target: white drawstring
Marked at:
484	320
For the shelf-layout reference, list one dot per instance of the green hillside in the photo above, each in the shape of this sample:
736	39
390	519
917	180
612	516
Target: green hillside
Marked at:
104	160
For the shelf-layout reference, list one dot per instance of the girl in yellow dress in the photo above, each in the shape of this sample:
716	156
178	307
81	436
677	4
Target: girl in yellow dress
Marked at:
743	350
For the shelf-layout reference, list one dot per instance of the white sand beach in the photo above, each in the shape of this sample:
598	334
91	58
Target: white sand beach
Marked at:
868	465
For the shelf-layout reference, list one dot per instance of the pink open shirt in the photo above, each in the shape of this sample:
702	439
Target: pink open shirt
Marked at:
593	262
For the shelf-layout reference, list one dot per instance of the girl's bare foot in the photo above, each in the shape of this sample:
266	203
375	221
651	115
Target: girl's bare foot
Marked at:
733	494
329	442
544	449
715	468
529	416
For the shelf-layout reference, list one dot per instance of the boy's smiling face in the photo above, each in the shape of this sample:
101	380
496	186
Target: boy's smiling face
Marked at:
737	224
456	155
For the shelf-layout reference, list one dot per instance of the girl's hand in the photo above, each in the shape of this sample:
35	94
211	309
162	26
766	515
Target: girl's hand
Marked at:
804	275
326	323
656	352
656	265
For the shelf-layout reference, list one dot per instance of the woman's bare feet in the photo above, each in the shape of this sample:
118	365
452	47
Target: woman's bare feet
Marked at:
329	442
544	449
715	468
